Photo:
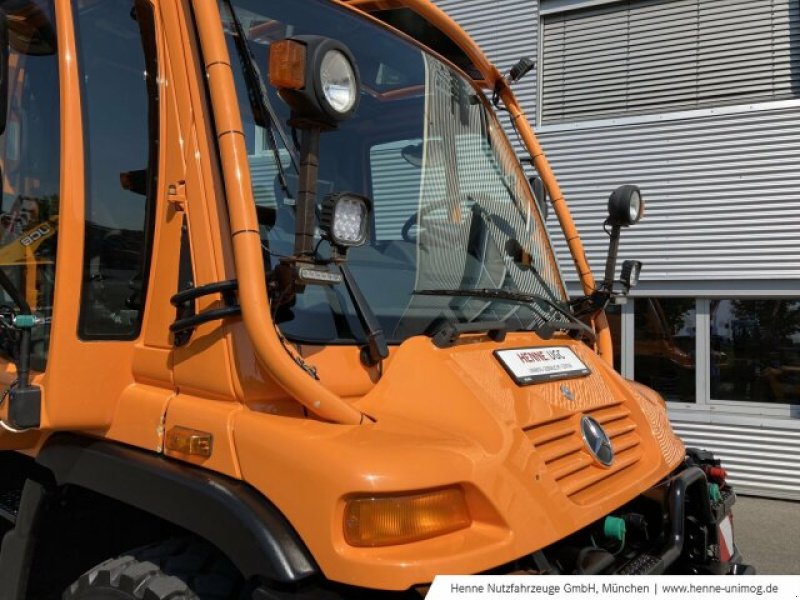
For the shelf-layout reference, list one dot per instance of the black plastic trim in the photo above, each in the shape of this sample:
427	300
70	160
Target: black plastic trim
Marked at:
16	552
245	526
188	319
674	491
204	317
678	488
230	285
447	335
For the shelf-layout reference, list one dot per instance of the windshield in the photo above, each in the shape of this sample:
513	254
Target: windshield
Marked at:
451	208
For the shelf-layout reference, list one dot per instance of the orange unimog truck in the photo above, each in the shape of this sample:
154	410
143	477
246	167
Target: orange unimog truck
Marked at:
281	318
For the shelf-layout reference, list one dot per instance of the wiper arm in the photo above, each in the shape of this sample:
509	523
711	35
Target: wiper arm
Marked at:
263	112
448	334
376	349
574	325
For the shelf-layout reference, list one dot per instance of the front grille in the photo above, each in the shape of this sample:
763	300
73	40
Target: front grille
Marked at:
569	462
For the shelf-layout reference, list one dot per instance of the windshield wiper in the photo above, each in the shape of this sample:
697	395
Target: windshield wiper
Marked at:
546	330
263	112
376	349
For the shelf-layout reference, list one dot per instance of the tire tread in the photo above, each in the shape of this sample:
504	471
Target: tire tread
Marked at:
178	569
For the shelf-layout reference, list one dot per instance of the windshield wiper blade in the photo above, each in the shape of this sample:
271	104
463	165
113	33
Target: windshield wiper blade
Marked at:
549	328
263	113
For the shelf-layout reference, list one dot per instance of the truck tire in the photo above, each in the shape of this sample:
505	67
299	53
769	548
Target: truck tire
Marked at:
182	569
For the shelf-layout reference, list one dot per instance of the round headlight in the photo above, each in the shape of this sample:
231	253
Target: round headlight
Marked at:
318	77
625	206
338	81
635	206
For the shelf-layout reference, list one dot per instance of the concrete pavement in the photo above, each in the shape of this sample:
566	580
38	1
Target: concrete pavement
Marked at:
768	534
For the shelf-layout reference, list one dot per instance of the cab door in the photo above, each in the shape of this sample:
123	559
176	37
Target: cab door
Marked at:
30	206
89	140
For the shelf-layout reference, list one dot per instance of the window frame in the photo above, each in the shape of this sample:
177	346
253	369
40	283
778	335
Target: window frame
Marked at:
706	408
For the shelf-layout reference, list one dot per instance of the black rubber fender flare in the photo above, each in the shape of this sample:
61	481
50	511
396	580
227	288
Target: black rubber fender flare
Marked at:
228	513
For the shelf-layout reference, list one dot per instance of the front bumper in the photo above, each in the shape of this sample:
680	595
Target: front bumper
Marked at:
688	530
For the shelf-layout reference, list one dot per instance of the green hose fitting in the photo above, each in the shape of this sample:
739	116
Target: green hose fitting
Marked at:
614	528
714	493
24	321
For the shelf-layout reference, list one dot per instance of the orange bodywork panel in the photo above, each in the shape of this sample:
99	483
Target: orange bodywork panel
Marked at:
454	416
427	418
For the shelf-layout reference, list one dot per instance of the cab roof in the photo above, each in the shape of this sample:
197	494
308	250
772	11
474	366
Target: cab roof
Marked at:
433	28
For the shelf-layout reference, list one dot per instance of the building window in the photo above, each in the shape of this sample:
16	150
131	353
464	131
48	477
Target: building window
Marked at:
664	346
755	350
646	56
118	64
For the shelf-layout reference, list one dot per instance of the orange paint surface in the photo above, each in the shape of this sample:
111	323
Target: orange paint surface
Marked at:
435	417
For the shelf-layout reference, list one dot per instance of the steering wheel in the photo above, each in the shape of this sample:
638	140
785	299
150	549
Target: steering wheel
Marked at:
442	230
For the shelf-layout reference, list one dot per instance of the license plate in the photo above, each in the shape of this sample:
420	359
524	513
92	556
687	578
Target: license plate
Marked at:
530	365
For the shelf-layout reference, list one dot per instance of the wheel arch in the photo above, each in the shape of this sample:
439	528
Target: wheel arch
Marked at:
229	514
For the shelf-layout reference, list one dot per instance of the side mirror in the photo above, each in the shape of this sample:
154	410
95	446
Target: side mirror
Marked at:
540	193
3	70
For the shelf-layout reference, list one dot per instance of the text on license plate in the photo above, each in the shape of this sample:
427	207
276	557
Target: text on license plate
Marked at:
529	365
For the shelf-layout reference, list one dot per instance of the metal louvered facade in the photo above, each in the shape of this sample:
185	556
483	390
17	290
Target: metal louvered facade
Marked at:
698	103
720	191
645	56
506	31
760	460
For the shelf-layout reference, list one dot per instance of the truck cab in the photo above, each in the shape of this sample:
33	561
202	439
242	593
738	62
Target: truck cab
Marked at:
281	318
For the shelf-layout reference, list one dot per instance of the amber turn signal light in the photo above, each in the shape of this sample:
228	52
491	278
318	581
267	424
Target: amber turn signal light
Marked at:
400	519
190	441
287	65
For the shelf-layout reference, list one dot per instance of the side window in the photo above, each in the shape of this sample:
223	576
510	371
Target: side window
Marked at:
30	147
119	69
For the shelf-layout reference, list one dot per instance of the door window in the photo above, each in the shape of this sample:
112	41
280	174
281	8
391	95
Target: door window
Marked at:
118	64
30	150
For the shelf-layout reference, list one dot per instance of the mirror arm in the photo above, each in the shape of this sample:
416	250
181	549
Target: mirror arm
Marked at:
305	215
611	260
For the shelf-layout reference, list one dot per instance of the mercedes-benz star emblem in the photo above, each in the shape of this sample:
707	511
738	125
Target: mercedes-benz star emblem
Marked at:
597	441
567	392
